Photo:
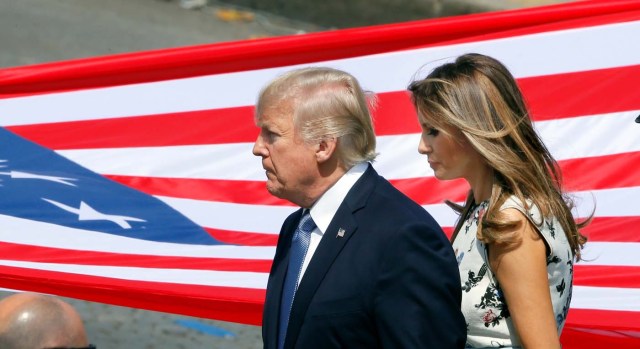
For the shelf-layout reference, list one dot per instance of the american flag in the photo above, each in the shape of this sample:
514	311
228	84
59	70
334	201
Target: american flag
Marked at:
129	179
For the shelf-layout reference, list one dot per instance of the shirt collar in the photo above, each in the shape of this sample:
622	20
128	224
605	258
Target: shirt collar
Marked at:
327	205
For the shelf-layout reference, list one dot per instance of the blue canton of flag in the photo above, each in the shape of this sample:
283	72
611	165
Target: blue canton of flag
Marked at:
40	185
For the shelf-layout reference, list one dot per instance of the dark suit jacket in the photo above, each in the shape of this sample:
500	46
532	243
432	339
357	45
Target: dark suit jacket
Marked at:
390	282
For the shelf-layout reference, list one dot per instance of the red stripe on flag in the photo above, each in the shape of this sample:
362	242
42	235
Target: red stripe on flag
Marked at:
430	190
606	276
604	229
550	97
424	190
448	231
578	176
603	319
20	252
235	191
243	238
215	126
614	171
573	338
600	91
242	305
395	115
613	229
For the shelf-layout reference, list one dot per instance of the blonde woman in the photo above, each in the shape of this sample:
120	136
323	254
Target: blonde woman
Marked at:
516	239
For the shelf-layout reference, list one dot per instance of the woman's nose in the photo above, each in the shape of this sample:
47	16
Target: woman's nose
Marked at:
423	147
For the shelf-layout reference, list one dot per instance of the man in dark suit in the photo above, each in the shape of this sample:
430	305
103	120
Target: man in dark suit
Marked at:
360	265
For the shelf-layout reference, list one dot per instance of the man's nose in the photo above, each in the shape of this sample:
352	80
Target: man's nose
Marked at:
258	147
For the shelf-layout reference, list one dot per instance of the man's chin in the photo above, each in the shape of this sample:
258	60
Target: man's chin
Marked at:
274	190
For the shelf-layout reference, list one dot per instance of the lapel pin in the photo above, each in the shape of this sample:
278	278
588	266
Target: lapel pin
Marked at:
340	233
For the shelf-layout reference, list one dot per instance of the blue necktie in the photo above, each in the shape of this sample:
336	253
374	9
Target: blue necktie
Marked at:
299	247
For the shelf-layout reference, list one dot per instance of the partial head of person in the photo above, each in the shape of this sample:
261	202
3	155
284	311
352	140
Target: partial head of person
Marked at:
315	124
476	125
36	321
476	101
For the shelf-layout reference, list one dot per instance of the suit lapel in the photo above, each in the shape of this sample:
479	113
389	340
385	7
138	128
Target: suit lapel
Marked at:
342	227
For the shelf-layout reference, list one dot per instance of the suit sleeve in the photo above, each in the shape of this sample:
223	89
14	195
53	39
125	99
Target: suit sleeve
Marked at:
417	297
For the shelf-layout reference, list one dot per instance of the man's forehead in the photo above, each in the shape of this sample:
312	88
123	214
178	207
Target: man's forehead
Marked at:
274	114
279	103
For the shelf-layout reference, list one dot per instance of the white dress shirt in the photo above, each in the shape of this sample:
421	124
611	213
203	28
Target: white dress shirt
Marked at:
326	207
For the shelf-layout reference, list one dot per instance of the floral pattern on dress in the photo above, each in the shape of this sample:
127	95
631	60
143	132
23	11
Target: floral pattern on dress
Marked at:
494	300
474	279
486	312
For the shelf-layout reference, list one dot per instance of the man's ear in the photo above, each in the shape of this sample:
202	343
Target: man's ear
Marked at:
326	148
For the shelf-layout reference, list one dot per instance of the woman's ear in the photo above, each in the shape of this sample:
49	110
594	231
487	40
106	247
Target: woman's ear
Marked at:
326	148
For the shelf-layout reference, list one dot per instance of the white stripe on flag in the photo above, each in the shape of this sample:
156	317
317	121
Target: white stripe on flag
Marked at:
230	216
605	298
220	161
588	136
611	254
51	235
608	202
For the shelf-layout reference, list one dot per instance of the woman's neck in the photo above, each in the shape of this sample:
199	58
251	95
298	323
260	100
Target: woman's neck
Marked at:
481	184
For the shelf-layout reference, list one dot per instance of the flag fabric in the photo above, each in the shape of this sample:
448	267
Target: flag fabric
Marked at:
129	179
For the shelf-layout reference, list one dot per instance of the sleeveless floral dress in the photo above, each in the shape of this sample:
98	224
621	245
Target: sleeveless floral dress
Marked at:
489	323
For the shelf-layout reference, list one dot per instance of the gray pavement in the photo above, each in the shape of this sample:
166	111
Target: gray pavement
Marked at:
37	31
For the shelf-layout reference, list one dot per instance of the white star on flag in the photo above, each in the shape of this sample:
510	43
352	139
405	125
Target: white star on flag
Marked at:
27	175
88	213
